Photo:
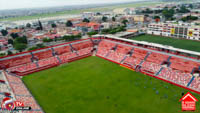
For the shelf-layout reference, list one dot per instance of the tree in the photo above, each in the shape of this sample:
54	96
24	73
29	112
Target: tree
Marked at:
168	14
125	21
148	11
40	45
183	9
20	43
4	32
14	35
2	54
158	11
156	17
113	19
47	40
40	25
20	46
104	19
191	6
86	20
189	18
98	13
53	25
21	40
10	53
69	23
10	41
28	25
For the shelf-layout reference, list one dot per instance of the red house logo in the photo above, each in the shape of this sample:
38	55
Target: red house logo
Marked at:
188	102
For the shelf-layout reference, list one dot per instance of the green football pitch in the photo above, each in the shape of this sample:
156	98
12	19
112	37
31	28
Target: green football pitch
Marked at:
95	85
178	43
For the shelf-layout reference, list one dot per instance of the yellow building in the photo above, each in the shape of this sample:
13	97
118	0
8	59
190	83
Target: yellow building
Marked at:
138	18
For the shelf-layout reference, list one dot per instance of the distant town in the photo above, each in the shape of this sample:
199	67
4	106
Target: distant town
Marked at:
177	20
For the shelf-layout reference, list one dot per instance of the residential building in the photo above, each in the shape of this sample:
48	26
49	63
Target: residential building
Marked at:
181	30
88	15
139	18
129	11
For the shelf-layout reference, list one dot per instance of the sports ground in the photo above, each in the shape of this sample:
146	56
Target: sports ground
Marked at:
177	43
95	85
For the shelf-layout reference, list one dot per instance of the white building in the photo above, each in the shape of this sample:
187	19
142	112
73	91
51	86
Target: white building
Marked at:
88	15
129	11
181	30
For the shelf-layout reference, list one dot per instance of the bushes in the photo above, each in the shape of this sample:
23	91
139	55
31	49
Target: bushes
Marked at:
47	40
188	18
71	37
2	54
20	46
113	30
92	33
38	46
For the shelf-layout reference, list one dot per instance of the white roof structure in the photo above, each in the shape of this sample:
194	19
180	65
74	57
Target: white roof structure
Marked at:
151	44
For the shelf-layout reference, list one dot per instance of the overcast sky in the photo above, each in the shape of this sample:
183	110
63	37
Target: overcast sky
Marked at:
15	4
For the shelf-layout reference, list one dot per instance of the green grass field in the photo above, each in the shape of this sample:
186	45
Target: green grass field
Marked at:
71	12
95	85
177	43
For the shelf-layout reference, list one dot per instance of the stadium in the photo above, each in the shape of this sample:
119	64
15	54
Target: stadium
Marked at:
101	74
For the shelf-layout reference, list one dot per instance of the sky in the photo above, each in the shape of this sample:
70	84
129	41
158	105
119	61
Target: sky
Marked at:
16	4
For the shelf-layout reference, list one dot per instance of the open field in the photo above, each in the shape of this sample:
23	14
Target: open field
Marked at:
71	12
177	43
94	85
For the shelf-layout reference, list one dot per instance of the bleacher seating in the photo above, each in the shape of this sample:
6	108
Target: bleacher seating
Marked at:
139	54
85	51
43	54
82	45
115	56
123	49
175	76
150	67
48	61
157	58
102	51
14	61
62	50
132	61
195	84
67	56
23	68
107	45
183	65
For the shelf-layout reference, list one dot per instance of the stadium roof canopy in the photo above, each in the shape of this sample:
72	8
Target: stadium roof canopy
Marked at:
151	44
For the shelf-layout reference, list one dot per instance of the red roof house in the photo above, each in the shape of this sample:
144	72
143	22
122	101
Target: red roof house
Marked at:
92	25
